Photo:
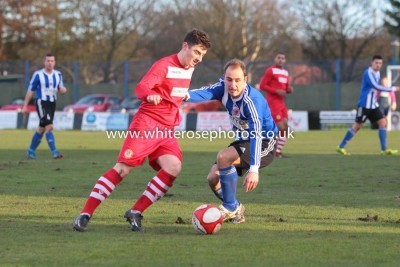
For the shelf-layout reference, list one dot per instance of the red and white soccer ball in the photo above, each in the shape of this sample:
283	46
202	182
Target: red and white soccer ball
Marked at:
207	219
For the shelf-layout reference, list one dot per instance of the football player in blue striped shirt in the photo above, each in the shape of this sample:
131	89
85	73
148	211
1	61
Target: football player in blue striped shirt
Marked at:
45	83
255	132
368	107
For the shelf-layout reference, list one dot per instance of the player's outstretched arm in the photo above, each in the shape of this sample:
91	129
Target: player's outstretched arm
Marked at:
206	93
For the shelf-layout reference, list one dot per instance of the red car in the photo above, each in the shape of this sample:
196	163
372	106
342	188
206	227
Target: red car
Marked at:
18	103
94	103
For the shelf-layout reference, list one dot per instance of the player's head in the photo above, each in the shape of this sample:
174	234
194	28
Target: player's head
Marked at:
49	62
377	62
280	59
235	77
194	47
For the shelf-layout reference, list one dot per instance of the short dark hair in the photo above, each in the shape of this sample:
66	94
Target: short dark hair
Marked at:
197	37
49	55
236	63
376	57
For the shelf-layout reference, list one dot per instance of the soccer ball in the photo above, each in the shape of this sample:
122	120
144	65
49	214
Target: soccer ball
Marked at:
207	219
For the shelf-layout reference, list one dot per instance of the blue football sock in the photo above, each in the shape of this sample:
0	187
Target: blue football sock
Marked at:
350	133
51	141
229	178
36	139
382	137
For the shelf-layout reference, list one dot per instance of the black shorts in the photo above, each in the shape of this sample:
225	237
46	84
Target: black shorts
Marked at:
45	110
372	114
243	149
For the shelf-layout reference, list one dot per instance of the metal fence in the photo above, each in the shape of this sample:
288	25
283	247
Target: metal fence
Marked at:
323	85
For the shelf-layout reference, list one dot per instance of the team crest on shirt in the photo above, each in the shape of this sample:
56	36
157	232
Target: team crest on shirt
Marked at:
235	111
128	153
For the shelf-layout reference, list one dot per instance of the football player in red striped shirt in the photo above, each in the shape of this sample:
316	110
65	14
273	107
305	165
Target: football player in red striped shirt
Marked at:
276	84
161	90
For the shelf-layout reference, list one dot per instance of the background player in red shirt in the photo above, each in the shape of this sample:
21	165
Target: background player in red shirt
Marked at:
161	90
276	84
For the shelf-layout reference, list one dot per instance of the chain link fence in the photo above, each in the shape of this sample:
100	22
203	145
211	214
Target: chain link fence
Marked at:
317	84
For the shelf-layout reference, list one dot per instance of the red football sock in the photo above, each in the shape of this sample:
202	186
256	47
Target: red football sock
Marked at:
155	190
281	143
103	188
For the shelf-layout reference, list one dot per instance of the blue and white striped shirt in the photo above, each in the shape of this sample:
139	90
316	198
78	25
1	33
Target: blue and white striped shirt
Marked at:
369	89
249	114
46	85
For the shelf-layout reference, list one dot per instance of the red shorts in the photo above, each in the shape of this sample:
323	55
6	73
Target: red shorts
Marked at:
148	138
279	111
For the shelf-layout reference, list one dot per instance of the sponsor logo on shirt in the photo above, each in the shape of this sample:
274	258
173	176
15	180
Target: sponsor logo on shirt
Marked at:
49	91
282	80
179	92
280	71
240	124
179	73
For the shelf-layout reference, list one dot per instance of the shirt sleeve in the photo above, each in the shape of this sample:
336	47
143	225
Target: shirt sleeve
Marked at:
153	77
252	111
288	83
205	93
61	83
265	82
34	83
371	80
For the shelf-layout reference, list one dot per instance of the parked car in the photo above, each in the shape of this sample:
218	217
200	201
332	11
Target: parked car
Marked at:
130	104
18	103
212	105
94	103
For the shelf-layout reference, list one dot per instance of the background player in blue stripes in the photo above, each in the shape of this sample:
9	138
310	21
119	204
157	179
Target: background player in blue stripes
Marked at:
45	83
368	107
255	136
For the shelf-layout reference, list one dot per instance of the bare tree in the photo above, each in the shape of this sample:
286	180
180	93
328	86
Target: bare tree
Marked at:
336	29
238	28
3	10
21	25
110	31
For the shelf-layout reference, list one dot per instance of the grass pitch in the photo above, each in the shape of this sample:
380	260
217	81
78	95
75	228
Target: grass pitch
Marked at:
303	213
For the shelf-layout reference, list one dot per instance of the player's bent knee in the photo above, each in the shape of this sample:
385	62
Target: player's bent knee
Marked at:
122	169
382	123
41	130
223	159
49	128
212	179
174	168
